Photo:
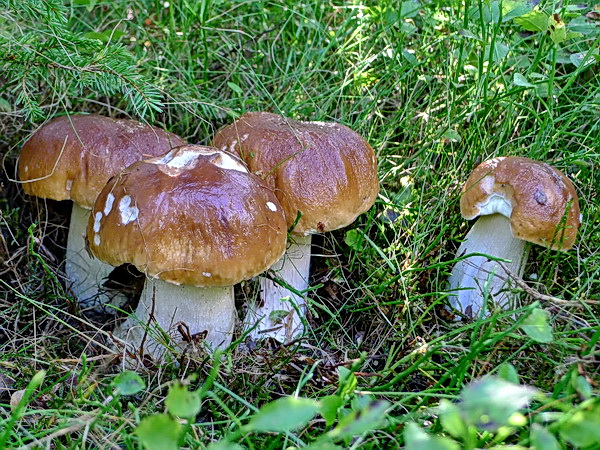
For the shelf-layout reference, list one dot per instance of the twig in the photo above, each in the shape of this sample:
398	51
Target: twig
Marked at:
543	297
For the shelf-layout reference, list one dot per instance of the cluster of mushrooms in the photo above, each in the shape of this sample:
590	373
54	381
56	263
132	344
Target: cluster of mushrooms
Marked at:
196	220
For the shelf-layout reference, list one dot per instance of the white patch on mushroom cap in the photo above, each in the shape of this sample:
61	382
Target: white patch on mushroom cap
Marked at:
232	145
127	212
228	162
97	219
69	185
319	124
183	159
110	199
244	137
271	206
176	161
495	203
487	184
96	240
207	274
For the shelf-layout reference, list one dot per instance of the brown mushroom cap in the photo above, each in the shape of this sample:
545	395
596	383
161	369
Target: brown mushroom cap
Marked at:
540	200
326	171
194	216
72	158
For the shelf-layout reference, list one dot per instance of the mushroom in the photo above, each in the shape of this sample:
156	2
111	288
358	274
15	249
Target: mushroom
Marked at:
517	200
72	158
324	175
196	222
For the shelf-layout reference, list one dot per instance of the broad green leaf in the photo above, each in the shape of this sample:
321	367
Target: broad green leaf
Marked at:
224	445
407	28
579	59
409	9
347	382
469	34
542	439
277	315
329	408
512	9
235	88
323	446
558	32
369	418
536	326
36	380
417	439
159	432
581	25
533	21
520	80
499	51
360	402
410	57
89	4
283	414
583	387
491	402
489	12
452	135
353	239
507	372
181	402
583	428
128	383
451	419
390	16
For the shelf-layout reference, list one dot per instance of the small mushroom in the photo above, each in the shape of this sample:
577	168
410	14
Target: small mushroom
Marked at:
517	200
324	175
72	158
196	222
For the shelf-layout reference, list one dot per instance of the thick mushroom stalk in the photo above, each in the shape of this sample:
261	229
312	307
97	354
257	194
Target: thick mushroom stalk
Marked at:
86	274
280	313
478	280
183	313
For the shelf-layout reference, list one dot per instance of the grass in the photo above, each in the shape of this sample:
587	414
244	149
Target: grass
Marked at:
421	83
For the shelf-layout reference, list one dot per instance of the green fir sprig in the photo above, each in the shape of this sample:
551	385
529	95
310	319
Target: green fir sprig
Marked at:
39	54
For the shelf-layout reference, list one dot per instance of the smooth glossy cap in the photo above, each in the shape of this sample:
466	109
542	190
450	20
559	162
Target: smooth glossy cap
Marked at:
540	200
72	158
194	216
326	171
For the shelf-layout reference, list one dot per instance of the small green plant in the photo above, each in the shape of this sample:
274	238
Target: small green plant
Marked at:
490	410
19	408
346	414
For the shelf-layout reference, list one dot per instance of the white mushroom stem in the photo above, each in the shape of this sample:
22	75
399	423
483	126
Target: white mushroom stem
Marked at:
477	277
281	311
86	274
182	312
